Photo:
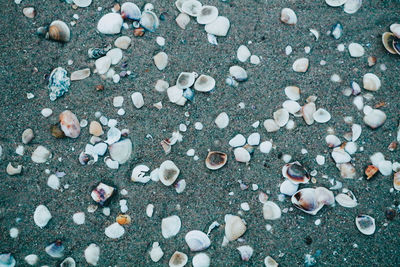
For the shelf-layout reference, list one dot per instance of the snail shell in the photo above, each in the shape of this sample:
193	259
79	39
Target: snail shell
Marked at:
59	31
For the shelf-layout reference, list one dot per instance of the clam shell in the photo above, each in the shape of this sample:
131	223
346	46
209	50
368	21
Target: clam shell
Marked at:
271	126
371	82
305	199
204	83
335	3
156	252
288	188
396	45
178	259
40	155
324	196
291	106
281	117
356	50
191	7
301	65
243	53
216	160
207	14
179	4
296	173
123	42
340	156
59	31
245	252
219	27
352	6
182	20
130	10
185	80
92	254
347	200
69	124
375	118
168	172
197	240
288	16
115	54
110	23
222	120
238	73
41	216
201	260
387	41
114	231
242	155
234	227
82	3
271	211
321	115
149	21
55	249
170	226
308	111
121	151
270	262
161	60
365	224
396	181
332	140
68	262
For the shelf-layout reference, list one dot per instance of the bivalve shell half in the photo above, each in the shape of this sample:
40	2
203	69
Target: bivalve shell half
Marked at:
204	83
69	124
149	21
396	181
197	240
238	73
346	199
335	3
161	60
59	31
281	117
130	10
308	111
201	260
170	226
245	252
185	80
271	211
92	254
288	16
270	262
295	173
114	231
288	188
168	172
387	41
395	29
121	151
40	155
216	160
301	65
178	259
234	227
41	216
356	50
352	6
292	92
321	115
110	23
371	82
242	155
219	27
68	262
306	200
365	224
55	249
207	14
191	7
82	3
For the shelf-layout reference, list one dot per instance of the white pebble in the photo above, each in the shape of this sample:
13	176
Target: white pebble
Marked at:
198	126
160	41
46	112
190	152
79	218
320	159
118	101
14	232
265	147
245	206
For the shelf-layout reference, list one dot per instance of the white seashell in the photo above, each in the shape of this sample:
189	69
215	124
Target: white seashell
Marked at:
242	155
46	112
82	3
271	211
245	252
114	231
110	23
288	16
40	155
300	65
396	181
375	118
376	158
79	218
356	50
238	73
335	3
204	83
174	94
321	116
340	156
130	10
181	101
219	27
222	120
185	80
170	226
347	200
139	174
395	29
118	101
80	74
288	188
332	141
291	106
13	171
238	140
31	259
352	6
113	135
53	182
270	262
347	170
27	136
178	259
168	172
191	7
121	151
254	139
234	227
149	210
201	260
271	126
180	186
156	252
161	60
103	64
149	21
41	216
358	101
161	86
281	117
115	54
265	147
324	196
385	167
179	4
243	53
371	82
315	33
29	12
292	92
356	132
207	14
154	175
365	224
351	148
308	111
137	99
197	240
182	20
123	42
92	254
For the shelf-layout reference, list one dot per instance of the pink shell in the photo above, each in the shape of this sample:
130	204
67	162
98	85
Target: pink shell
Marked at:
69	124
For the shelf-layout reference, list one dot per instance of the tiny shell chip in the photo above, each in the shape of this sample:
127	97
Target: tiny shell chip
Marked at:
204	83
216	160
270	262
365	224
69	124
396	181
288	16
301	65
191	7
170	226
168	172
59	83
219	27
178	259
371	82
186	80
114	231
207	14
41	216
102	193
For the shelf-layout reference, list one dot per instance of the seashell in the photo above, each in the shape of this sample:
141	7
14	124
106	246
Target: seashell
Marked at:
68	262
197	240
396	45
385	167
321	115
185	80
340	156
180	186
123	219
11	170
150	209
288	188
139	174
121	151
115	54
95	128
231	82
103	64
271	126
387	41
92	254
113	135
161	60
168	172
335	3
201	260
110	23
347	170
156	252
130	10
324	196
149	21
191	7
234	227
288	16
80	74
371	82
41	216
161	86
222	120
253	139
308	111
395	29
352	6
182	20
271	211
365	224
40	155
7	260
207	14
114	231
79	218
245	252
241	155
371	61
174	94
265	147
296	173
306	200
53	182
337	31
219	27
346	199
96	53
27	136
292	92
69	124
216	160
243	53
238	73
56	131
332	141
170	226
281	117
238	140
82	3
179	4
58	83
204	83
29	12
102	193
59	31
375	118
291	106
137	99
356	89
270	262
55	249
396	181
123	42
178	259
300	65
356	50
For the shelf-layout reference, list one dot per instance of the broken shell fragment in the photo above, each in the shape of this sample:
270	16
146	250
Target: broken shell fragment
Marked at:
296	173
396	181
185	80
204	83
55	249
41	216
7	260
121	151
321	115
59	31
27	136
216	160
69	124
365	224
59	83
288	16
40	155
346	199
332	141
168	172
234	227
123	219
95	128
281	117
102	193
337	31
308	111
271	211
270	262
245	252
149	21
371	82
301	65
110	23
114	231
11	170
68	262
340	156
182	20
375	118
156	252
80	74
123	42
29	12
219	27
395	29
197	240
103	64
131	11
271	126
222	120
207	14
191	7
178	259
139	174
92	254
170	226
161	60
238	73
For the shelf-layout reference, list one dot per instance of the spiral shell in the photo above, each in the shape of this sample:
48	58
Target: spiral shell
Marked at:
59	31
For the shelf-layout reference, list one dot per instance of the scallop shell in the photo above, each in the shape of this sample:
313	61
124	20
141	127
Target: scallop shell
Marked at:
197	240
288	16
191	7
130	10
295	173
335	3
68	262
185	80
69	124
365	224
396	181
321	115
346	199
352	6
55	249
168	172
170	226
271	211
207	14
178	259
149	21
59	31
204	83
92	254
301	65
387	41
216	160
238	73
371	82
234	227
306	200
245	252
